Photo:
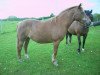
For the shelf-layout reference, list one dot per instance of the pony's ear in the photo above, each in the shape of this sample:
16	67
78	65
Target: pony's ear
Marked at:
91	11
79	5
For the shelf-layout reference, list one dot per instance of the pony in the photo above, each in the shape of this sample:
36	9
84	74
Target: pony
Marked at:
79	30
50	31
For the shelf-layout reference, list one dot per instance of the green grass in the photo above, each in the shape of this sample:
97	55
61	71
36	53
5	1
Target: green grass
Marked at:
70	62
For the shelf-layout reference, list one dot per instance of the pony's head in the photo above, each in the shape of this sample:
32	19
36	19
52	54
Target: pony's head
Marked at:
79	15
89	14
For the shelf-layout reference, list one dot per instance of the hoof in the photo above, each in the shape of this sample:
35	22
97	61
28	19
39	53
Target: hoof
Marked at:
55	63
82	49
78	52
26	56
20	60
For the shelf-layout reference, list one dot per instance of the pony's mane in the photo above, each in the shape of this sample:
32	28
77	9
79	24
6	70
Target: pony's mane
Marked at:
69	9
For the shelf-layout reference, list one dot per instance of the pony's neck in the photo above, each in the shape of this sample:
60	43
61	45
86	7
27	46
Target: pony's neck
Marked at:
66	18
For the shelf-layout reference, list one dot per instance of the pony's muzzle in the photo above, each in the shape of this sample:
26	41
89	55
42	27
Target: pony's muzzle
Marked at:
87	22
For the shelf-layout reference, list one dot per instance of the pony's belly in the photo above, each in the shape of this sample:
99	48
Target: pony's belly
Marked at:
40	39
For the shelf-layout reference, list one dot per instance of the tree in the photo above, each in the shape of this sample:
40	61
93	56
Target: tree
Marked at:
52	15
12	18
96	17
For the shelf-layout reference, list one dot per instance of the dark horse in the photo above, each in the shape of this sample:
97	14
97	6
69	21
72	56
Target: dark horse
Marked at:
51	31
79	29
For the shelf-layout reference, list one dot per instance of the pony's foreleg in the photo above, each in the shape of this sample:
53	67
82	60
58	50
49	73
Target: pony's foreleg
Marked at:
79	43
56	44
67	38
70	37
25	47
19	47
84	39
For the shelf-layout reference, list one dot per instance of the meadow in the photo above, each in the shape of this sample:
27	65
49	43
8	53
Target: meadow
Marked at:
70	62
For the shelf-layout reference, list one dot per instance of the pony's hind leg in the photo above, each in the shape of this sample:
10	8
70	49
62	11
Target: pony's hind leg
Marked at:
19	48
26	46
68	37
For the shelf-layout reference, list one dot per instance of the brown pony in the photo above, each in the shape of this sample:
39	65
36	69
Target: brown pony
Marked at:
51	31
79	29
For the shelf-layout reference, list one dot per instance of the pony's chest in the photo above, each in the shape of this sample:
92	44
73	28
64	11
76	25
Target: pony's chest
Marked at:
58	33
83	31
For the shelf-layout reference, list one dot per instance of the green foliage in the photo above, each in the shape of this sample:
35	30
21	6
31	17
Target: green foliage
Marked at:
14	18
47	17
96	17
70	62
52	15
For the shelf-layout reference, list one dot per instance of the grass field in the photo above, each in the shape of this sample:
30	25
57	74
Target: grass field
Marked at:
70	62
